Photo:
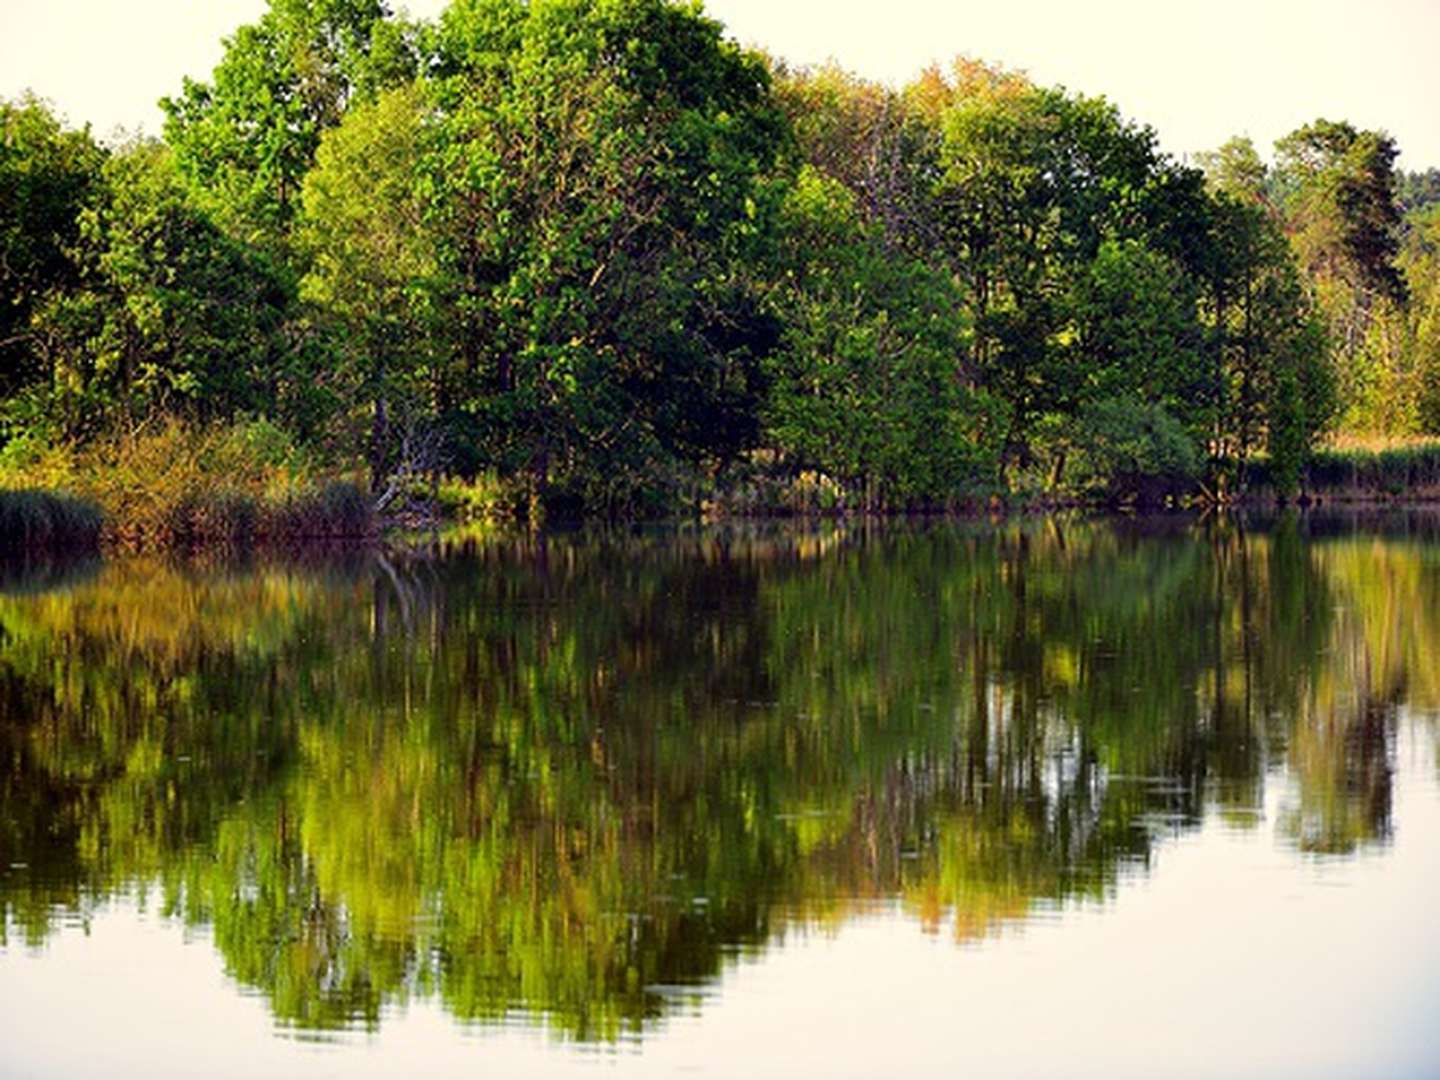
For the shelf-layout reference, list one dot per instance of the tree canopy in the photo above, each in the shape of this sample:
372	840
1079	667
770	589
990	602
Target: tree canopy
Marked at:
608	257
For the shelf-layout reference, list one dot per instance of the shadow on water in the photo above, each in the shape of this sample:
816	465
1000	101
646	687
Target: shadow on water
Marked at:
562	775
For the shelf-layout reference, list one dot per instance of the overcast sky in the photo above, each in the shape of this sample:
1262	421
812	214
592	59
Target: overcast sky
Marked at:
1197	73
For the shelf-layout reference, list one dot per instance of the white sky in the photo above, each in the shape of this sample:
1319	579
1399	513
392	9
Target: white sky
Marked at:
1198	73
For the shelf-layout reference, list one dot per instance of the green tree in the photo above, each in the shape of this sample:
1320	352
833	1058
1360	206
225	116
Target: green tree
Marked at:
1138	331
1415	191
598	172
1341	207
1272	380
373	265
48	176
872	140
866	386
168	313
1341	212
1130	449
1034	183
1237	170
246	139
1421	263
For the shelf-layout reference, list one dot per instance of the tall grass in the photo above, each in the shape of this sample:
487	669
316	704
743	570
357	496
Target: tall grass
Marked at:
36	520
1364	472
1402	471
174	483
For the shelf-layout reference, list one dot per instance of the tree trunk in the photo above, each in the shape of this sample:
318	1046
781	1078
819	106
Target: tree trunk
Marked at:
379	436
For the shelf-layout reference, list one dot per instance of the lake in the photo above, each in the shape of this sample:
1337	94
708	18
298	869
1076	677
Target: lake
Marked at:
1050	797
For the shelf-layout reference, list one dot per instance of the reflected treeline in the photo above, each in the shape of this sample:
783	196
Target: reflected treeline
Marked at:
560	777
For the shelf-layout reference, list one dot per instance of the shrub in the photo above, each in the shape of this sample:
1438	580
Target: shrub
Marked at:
336	511
210	516
1133	452
479	499
174	483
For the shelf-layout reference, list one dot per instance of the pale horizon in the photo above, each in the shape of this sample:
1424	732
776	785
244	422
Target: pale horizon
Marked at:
1198	78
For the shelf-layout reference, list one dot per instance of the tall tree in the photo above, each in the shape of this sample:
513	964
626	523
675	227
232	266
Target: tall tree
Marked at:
373	264
1236	169
1272	385
48	175
168	312
1034	183
1338	186
1421	263
864	386
246	138
1341	205
875	142
598	169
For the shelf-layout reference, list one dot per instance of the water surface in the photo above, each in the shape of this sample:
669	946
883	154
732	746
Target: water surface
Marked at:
1045	798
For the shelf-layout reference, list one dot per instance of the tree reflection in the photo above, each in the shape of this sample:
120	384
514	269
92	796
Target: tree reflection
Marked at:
556	776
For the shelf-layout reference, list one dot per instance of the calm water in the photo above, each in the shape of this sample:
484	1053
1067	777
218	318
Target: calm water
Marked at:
1052	798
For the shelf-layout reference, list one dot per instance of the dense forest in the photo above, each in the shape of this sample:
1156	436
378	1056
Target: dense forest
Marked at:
580	257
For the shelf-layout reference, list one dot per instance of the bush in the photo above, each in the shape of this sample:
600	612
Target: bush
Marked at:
482	498
335	511
180	484
1129	452
207	517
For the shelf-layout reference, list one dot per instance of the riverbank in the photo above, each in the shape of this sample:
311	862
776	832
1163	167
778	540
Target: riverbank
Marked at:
1404	474
178	487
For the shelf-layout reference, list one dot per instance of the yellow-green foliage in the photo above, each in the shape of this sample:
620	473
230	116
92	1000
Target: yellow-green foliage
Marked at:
484	498
175	482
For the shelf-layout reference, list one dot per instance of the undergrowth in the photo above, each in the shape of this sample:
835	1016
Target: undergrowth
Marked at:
175	483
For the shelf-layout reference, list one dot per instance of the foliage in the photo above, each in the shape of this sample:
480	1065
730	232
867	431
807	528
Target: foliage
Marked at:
1416	191
592	200
602	256
1338	197
481	498
871	140
1139	332
49	175
246	139
168	313
1134	451
1340	187
1272	383
1420	261
1035	184
178	483
867	386
373	264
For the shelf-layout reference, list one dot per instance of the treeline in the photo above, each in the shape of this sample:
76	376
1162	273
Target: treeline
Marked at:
606	260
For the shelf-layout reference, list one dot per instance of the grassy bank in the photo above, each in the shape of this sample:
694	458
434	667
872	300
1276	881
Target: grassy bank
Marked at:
178	485
1402	472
